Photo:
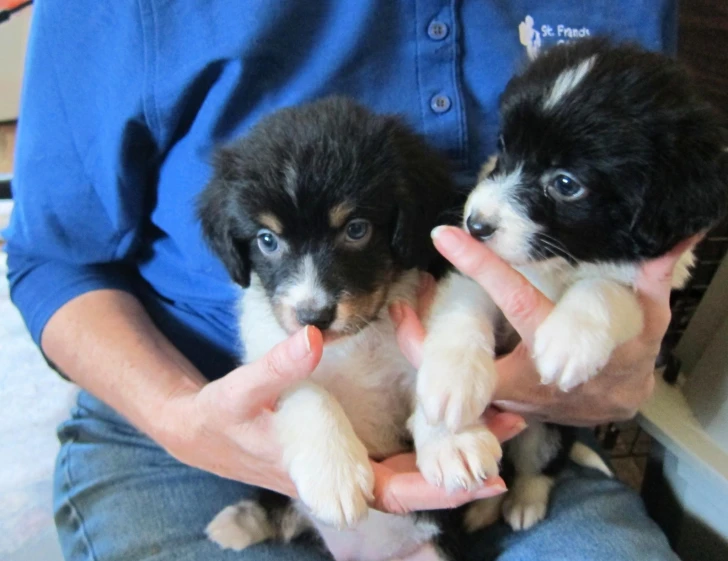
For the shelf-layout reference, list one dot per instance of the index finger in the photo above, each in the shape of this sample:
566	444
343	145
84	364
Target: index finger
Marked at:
404	492
258	385
523	304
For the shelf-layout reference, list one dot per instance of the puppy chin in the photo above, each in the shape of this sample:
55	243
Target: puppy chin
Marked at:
509	250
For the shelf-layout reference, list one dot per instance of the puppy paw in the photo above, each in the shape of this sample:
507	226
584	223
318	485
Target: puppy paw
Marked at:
527	501
336	485
571	348
455	382
240	526
461	460
483	513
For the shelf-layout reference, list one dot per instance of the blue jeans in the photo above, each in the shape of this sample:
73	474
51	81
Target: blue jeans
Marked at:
120	497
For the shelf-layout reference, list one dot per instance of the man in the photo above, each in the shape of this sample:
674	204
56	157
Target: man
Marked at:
122	104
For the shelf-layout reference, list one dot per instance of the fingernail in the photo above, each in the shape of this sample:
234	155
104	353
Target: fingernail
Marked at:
301	345
491	491
446	238
519	427
396	312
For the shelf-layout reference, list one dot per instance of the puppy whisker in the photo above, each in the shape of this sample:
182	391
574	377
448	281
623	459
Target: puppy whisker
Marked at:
557	247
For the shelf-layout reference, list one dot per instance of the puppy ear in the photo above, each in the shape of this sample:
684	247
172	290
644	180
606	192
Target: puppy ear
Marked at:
425	198
691	195
220	223
405	245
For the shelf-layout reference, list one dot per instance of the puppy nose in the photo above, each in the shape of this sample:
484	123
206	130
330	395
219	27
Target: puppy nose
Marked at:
318	317
479	227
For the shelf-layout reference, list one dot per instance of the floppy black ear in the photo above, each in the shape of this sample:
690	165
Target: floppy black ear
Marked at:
690	195
221	227
426	198
406	247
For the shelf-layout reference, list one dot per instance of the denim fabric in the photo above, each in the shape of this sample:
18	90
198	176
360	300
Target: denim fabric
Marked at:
120	497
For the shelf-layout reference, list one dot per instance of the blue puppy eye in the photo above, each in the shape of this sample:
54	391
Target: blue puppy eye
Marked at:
358	231
267	241
563	187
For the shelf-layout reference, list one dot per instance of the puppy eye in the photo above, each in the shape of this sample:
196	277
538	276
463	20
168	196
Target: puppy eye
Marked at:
358	231
267	242
563	187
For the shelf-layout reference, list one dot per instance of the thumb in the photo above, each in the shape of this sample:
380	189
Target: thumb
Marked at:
654	285
519	386
409	331
258	385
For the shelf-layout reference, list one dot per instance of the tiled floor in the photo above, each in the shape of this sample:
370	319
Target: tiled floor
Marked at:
629	454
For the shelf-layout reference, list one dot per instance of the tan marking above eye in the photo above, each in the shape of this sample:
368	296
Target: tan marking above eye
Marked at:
271	222
339	214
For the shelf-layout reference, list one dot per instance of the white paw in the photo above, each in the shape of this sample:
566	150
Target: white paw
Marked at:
571	348
459	461
527	501
455	382
239	526
335	484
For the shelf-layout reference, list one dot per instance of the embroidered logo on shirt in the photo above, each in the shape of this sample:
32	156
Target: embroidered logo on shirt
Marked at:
532	38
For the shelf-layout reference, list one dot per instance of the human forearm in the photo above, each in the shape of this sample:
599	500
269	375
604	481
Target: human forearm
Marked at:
106	343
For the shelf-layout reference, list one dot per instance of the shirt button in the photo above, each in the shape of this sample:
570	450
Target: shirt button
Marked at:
440	103
437	30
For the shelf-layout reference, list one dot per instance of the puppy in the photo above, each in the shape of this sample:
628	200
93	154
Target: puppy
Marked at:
608	157
323	213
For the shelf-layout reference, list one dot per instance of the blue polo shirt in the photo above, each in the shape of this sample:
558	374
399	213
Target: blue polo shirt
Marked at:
124	101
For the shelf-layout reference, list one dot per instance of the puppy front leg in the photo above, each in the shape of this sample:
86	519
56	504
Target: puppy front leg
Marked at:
326	460
531	451
575	341
455	460
457	377
455	384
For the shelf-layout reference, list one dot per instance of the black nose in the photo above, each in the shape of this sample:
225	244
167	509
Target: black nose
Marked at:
479	227
318	317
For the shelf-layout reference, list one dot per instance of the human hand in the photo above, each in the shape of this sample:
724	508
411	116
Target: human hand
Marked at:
622	385
226	427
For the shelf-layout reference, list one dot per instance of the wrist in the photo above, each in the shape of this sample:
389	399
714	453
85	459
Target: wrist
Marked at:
172	421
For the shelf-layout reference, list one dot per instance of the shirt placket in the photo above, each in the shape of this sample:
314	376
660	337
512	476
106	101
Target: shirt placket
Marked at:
442	108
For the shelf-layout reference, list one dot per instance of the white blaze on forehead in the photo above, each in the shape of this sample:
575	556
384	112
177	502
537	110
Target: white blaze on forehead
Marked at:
567	82
305	286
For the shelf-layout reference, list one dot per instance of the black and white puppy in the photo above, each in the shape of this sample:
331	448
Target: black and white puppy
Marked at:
323	212
608	157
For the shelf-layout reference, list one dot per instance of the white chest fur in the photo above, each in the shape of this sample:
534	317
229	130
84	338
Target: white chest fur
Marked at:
374	385
366	373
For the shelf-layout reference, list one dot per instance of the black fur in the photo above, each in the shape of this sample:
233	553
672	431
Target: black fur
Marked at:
635	133
300	163
329	152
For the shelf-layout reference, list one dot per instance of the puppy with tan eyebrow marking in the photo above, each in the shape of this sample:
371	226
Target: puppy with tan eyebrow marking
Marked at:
323	213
